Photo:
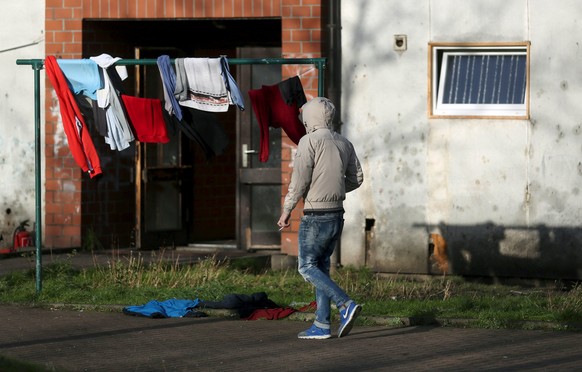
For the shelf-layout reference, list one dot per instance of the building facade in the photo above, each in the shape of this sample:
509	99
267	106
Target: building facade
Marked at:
493	175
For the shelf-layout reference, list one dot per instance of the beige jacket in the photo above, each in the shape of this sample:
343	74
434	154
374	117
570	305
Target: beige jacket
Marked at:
325	165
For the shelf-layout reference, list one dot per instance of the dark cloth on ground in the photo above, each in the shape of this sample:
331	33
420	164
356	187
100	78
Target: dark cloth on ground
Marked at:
244	304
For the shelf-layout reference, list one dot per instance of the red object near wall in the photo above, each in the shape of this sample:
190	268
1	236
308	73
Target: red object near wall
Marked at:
22	239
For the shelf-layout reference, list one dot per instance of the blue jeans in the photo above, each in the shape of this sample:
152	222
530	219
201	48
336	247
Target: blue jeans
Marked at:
318	236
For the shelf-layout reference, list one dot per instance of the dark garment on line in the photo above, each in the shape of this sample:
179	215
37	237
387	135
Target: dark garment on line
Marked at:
292	91
115	79
205	129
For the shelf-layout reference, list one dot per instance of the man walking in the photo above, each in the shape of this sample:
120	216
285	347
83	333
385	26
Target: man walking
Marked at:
325	168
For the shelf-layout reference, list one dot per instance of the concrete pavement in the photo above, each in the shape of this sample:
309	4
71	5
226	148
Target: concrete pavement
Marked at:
69	340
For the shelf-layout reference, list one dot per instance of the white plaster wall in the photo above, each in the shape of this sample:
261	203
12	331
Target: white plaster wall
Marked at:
19	26
505	192
384	114
556	146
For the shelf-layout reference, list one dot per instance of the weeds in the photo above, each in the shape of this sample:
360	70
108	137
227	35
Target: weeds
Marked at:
91	242
134	280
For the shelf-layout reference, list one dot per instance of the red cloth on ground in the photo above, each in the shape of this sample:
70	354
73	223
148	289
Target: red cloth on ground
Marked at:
78	137
279	313
147	118
271	314
312	306
271	110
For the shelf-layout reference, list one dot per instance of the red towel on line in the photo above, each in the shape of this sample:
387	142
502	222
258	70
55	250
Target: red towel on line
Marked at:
147	118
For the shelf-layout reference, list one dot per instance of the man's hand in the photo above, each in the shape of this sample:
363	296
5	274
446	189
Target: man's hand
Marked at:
284	220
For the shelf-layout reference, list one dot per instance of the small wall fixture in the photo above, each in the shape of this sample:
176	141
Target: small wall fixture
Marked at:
400	43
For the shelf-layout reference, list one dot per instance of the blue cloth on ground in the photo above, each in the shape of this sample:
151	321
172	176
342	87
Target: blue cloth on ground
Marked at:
173	308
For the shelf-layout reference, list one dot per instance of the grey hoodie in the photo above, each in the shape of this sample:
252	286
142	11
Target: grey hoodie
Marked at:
325	165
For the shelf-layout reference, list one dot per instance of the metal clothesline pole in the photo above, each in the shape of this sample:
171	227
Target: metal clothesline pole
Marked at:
38	65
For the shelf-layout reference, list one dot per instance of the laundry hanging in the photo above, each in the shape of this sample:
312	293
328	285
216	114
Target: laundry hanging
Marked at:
278	106
117	116
147	118
118	133
168	77
201	126
78	137
207	131
199	84
83	76
205	87
232	88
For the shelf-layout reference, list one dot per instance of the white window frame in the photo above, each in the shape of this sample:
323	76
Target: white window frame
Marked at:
438	65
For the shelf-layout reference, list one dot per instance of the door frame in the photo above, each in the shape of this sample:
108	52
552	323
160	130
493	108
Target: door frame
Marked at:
247	176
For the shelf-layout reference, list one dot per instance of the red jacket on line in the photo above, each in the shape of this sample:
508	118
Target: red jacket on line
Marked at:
80	142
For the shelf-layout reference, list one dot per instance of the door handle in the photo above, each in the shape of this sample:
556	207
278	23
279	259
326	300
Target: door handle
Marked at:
245	155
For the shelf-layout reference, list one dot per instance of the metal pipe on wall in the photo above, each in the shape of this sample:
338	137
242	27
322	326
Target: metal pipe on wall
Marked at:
331	49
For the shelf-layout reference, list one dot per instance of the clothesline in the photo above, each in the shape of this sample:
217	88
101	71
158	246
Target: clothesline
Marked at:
319	63
91	93
38	64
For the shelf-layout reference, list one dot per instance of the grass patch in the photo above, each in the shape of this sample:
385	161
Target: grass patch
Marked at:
9	364
132	280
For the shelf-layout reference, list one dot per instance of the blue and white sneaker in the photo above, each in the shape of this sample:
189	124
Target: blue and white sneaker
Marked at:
348	317
315	333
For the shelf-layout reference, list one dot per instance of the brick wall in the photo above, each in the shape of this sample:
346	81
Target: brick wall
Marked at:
301	34
64	21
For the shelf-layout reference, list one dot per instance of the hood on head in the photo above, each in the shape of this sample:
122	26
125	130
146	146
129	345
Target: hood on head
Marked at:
317	113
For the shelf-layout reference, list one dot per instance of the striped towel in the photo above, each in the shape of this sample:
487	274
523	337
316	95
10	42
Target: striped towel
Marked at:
206	88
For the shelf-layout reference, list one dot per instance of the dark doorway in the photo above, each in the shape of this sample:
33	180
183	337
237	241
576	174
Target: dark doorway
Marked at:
190	199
